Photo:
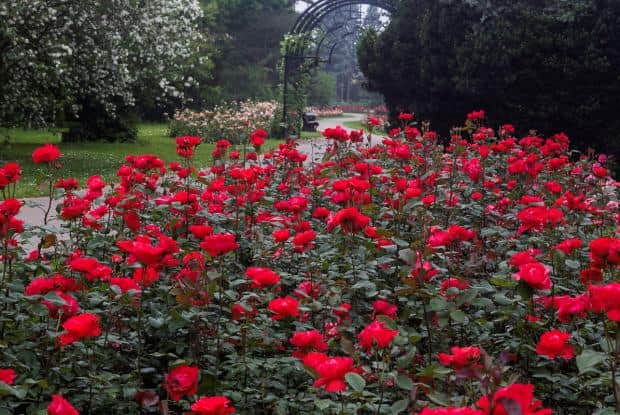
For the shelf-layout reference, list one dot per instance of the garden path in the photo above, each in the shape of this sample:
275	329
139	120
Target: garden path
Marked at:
315	148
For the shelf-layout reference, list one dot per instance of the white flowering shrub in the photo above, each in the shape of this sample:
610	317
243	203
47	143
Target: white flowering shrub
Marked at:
53	54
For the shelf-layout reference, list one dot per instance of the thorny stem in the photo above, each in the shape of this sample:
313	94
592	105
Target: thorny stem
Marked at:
49	203
430	332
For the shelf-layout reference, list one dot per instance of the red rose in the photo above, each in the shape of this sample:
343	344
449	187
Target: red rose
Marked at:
405	116
338	134
376	334
7	376
525	257
79	327
69	309
262	277
385	308
535	274
219	244
74	207
213	405
568	246
350	220
45	154
606	298
330	370
450	411
281	235
61	406
303	241
605	250
181	381
554	343
257	138
307	341
520	394
461	357
201	231
186	145
568	306
283	308
308	289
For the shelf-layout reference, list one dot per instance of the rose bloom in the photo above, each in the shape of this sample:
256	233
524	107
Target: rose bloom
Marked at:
460	357
605	250
307	341
350	220
606	298
308	289
521	394
283	308
61	406
281	235
376	334
554	343
80	327
181	381
330	370
7	376
405	116
219	244
262	277
450	411
534	274
45	154
385	308
213	405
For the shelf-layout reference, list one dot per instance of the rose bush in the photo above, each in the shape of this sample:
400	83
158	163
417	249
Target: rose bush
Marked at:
479	277
234	121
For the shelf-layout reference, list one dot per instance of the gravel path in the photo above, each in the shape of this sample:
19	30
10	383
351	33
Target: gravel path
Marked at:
315	148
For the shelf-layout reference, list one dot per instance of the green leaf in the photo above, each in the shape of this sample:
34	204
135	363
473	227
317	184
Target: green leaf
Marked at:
404	382
323	404
588	360
54	298
437	304
399	406
18	392
458	316
388	322
355	381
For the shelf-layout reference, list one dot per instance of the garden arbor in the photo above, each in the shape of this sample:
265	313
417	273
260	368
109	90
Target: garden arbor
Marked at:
313	39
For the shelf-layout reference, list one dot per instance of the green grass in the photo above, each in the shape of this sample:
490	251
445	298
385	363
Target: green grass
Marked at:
82	160
355	125
310	134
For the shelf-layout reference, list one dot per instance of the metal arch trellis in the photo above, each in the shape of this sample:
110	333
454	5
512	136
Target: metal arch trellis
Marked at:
307	23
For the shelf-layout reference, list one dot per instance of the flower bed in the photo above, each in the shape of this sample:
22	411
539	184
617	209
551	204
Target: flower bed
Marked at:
232	121
397	278
326	112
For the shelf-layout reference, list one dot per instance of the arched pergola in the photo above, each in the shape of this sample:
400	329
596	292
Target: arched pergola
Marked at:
310	25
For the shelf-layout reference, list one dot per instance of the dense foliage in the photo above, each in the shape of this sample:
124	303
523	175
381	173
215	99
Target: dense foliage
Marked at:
536	63
394	277
247	36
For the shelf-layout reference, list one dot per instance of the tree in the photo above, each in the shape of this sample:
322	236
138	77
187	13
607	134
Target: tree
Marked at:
550	65
322	89
62	56
247	36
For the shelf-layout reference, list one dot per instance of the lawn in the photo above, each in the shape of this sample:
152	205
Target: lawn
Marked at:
82	160
354	125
